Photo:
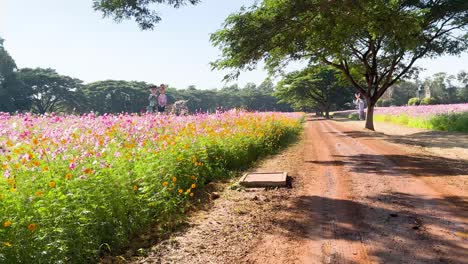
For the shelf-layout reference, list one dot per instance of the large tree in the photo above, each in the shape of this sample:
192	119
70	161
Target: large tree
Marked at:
374	43
316	88
51	91
462	77
14	96
114	96
140	10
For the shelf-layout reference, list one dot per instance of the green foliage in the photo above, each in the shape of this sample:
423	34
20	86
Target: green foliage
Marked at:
141	11
441	87
429	101
450	122
384	102
374	43
353	116
456	122
414	101
402	92
14	96
314	88
116	96
51	91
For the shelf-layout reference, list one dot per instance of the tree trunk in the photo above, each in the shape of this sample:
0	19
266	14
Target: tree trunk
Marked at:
370	116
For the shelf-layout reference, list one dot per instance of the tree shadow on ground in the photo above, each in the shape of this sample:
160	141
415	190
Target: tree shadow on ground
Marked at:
399	165
438	139
393	224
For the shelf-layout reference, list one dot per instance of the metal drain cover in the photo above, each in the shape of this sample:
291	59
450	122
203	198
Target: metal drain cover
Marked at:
264	179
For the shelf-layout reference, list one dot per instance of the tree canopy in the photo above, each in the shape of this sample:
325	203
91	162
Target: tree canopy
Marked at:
374	43
315	88
140	10
50	90
14	95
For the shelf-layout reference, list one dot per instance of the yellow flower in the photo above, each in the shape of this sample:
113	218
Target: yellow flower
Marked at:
13	189
164	184
68	176
174	179
7	244
52	184
135	187
45	168
7	224
88	171
181	191
32	227
194	186
38	193
193	177
191	194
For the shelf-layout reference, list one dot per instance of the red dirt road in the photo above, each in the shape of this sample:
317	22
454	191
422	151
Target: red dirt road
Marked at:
365	200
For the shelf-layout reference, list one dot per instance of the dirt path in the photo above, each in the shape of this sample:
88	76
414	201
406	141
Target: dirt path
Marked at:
357	198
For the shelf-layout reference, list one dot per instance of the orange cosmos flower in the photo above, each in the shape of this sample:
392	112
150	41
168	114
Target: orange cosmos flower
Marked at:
32	227
38	193
52	184
7	223
164	184
68	176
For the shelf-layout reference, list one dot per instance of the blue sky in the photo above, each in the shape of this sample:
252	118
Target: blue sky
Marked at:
72	38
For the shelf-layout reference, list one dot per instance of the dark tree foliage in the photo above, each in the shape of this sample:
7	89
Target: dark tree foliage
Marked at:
141	11
14	96
317	88
51	92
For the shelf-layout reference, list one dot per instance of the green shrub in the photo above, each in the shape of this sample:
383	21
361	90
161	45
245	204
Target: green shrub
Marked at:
429	101
456	122
387	103
414	101
450	122
353	116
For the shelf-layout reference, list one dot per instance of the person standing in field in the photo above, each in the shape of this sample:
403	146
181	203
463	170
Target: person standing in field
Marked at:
360	104
153	100
162	99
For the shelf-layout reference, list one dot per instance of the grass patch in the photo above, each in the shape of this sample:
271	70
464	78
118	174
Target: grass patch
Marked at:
455	122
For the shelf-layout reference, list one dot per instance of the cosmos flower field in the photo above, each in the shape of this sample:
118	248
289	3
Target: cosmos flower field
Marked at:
72	186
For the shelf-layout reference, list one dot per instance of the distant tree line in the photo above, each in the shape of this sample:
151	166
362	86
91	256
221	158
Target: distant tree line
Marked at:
441	88
44	90
313	89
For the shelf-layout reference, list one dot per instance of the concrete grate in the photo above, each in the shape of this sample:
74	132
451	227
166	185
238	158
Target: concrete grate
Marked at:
264	179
